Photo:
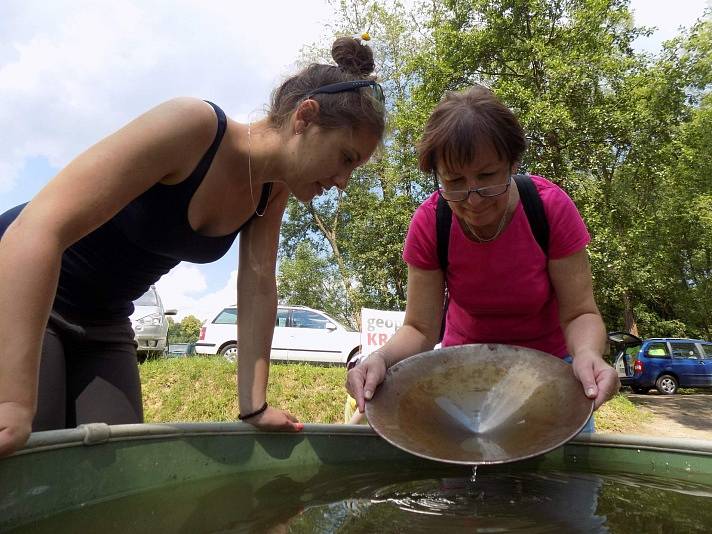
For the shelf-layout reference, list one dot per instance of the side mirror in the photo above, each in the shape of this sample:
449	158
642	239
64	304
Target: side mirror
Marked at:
172	311
330	326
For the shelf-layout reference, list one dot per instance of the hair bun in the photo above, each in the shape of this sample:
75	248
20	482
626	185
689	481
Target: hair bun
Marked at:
352	56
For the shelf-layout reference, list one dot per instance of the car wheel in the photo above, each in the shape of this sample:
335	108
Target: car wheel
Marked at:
229	352
638	389
666	384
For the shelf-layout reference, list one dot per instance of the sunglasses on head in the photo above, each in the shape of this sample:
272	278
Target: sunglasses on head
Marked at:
354	85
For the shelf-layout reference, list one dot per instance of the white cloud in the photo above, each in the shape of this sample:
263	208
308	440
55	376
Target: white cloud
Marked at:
72	72
665	20
176	287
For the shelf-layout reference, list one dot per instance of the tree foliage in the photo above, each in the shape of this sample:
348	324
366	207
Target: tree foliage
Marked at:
186	331
626	134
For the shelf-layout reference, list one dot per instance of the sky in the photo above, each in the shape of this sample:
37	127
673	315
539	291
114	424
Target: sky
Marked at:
71	72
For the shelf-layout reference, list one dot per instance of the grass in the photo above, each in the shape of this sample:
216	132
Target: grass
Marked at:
203	389
620	415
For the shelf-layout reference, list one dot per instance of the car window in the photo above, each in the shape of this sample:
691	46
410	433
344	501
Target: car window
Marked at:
707	350
227	316
632	351
282	316
684	351
630	354
308	319
657	350
147	299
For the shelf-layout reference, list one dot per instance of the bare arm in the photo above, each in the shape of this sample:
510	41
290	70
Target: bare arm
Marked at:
423	316
583	326
420	330
257	308
84	195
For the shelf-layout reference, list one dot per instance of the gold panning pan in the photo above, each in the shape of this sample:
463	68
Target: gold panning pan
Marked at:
479	404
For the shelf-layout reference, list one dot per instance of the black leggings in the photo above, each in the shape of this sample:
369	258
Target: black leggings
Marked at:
88	374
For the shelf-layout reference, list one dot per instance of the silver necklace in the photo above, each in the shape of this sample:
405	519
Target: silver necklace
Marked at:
499	227
249	168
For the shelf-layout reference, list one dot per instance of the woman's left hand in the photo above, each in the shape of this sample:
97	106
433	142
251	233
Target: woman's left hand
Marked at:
599	380
276	419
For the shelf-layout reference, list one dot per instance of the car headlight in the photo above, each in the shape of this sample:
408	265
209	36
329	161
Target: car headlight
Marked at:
155	319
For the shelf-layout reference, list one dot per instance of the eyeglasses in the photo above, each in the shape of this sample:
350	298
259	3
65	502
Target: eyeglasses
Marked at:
485	192
354	85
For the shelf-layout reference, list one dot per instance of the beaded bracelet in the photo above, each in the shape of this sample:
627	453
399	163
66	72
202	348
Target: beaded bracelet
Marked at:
253	414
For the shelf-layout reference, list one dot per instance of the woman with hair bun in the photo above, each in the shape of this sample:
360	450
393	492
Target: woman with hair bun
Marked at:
177	183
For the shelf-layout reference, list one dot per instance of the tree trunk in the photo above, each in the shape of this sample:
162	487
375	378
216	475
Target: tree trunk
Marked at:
630	325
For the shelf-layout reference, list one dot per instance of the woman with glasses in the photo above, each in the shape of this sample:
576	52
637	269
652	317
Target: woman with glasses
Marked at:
177	183
503	287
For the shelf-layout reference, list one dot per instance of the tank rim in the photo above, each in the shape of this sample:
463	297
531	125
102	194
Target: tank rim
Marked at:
97	433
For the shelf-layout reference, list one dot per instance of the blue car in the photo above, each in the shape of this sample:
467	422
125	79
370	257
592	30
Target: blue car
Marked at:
663	363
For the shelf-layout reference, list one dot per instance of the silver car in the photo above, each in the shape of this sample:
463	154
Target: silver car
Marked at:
149	322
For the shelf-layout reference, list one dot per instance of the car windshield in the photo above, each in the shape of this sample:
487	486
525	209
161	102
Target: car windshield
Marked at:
147	299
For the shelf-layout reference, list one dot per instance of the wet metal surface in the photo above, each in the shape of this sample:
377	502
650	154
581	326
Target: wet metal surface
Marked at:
479	404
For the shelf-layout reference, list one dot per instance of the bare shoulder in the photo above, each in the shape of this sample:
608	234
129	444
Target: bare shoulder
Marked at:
182	113
179	130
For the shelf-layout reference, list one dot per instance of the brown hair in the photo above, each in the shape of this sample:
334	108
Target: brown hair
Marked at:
464	121
356	109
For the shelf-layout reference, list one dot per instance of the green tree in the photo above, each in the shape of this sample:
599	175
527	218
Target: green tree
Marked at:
187	331
173	330
624	133
656	239
361	232
600	121
308	279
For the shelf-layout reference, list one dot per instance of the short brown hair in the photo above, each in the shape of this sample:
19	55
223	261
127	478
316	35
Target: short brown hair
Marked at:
464	121
356	109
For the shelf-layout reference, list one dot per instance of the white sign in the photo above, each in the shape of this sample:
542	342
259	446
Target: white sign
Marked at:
377	327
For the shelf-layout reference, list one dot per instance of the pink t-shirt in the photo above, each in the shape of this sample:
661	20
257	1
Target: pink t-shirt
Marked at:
500	291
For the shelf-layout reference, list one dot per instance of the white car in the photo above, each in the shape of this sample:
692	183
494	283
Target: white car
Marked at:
300	334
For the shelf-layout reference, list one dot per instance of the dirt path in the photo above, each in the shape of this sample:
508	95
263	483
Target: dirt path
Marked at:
678	416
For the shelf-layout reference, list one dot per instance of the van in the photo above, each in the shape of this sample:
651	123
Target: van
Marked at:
665	364
149	322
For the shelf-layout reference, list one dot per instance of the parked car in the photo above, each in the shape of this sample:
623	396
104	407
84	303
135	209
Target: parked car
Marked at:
300	334
662	363
149	322
180	350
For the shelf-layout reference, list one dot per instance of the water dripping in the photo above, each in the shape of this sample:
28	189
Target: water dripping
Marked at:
471	485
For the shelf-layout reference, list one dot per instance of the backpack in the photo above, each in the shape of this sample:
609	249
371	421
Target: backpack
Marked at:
533	207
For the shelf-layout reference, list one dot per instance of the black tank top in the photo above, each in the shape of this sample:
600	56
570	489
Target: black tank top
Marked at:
105	271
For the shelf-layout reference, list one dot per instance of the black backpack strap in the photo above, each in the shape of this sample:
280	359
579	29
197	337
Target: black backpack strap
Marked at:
534	209
443	221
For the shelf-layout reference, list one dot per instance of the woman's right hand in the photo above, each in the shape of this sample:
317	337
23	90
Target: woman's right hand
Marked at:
15	426
362	380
